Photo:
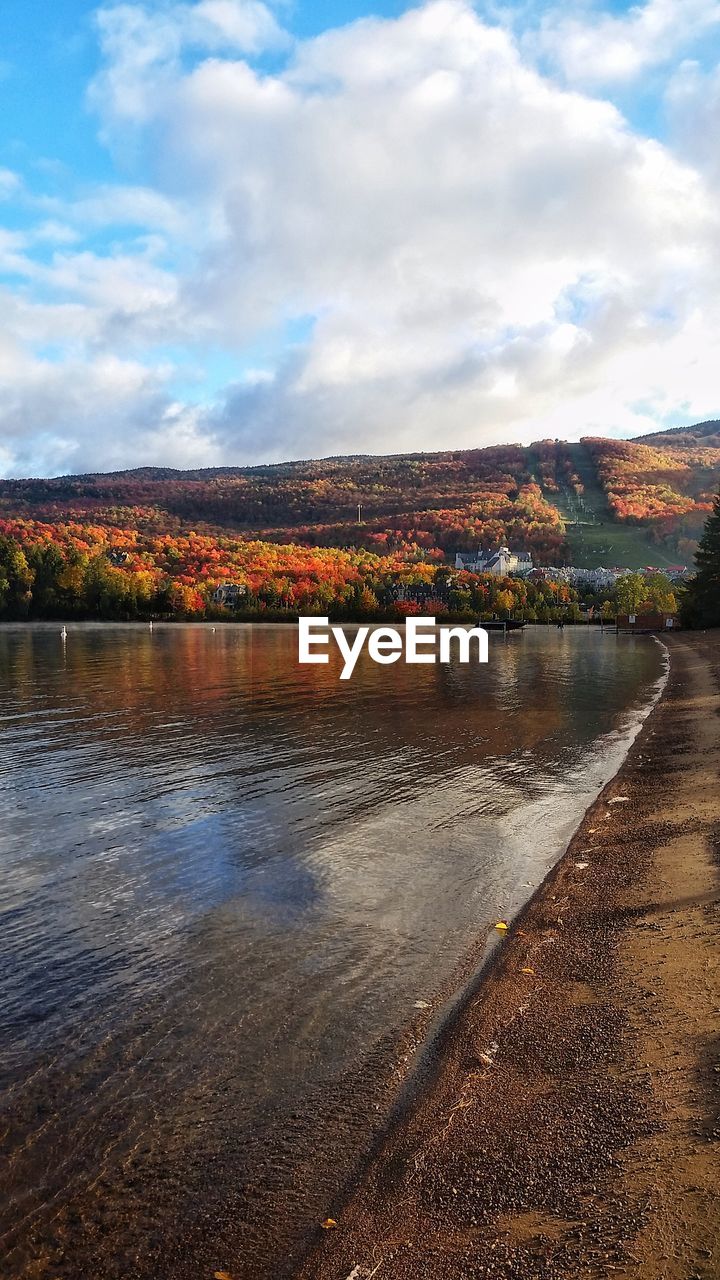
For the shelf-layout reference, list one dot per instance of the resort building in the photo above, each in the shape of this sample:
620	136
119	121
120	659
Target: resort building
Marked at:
600	576
502	562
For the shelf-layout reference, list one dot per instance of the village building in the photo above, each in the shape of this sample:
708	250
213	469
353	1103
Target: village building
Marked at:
229	594
676	572
601	576
502	562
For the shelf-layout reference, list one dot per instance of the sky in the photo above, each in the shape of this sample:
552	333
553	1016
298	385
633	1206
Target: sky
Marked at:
236	231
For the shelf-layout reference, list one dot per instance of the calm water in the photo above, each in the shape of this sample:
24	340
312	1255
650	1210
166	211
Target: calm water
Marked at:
226	880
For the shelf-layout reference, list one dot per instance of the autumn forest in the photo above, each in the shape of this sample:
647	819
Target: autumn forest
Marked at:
353	537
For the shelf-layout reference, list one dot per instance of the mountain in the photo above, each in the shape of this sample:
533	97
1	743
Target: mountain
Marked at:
338	525
648	496
703	433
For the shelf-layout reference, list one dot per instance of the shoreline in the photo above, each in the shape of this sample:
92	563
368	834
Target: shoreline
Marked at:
385	620
568	1126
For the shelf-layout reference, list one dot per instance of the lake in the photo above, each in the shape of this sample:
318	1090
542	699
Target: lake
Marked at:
236	896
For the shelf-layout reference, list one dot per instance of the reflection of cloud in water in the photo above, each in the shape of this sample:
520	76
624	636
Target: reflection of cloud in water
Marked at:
227	878
365	801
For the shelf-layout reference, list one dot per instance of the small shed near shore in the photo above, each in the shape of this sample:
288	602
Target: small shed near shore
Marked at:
637	622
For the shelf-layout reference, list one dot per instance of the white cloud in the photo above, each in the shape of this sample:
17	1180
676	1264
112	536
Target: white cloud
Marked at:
693	103
118	300
104	413
9	183
482	253
600	48
144	47
119	205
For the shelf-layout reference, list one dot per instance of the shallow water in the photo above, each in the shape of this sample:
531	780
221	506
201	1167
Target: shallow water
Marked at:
227	879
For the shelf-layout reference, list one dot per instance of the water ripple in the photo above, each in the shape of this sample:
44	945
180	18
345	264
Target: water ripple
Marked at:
227	879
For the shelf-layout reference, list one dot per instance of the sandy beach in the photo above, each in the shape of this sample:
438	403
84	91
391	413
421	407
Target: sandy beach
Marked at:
571	1127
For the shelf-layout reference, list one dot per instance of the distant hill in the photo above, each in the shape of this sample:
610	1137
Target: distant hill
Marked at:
703	433
600	501
409	502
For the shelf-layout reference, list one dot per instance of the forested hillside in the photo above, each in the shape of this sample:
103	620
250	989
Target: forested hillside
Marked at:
667	485
317	534
430	501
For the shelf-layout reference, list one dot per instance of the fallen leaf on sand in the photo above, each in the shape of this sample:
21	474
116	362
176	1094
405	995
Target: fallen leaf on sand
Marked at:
421	1004
581	866
328	1224
618	800
530	971
487	1057
502	926
223	1275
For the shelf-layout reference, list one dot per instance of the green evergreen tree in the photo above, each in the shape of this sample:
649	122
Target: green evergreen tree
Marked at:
701	604
46	563
16	578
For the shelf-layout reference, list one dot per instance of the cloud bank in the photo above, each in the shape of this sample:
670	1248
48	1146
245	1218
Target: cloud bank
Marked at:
434	231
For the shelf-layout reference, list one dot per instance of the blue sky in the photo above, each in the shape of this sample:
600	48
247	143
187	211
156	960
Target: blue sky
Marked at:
233	231
50	54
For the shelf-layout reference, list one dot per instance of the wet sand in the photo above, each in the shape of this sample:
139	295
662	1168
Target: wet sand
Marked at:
571	1128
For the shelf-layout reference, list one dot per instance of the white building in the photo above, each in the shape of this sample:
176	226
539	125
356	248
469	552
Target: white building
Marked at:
502	562
598	577
229	594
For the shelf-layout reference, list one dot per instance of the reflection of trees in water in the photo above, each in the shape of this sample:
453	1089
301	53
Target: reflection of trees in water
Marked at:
239	875
198	688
